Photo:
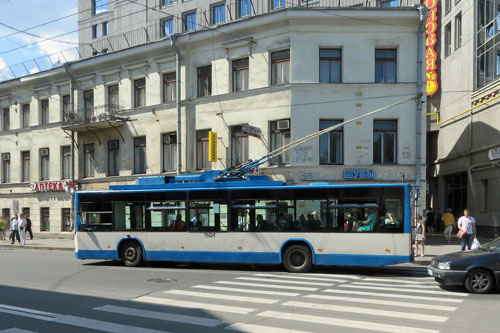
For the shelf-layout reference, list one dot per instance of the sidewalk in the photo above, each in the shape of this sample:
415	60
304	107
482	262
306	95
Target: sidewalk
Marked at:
435	245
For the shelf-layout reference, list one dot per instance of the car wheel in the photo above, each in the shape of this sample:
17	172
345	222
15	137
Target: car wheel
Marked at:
479	281
297	259
131	254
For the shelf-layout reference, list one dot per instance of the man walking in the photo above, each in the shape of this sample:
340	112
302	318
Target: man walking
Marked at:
15	229
22	229
468	224
28	226
449	221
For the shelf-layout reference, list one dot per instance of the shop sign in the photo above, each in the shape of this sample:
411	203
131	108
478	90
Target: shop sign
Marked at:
494	154
359	174
53	186
251	130
430	53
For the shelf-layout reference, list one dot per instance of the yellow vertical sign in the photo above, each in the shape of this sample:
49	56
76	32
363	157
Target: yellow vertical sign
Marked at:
212	146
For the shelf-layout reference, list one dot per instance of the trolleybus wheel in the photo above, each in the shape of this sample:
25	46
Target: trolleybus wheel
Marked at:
131	254
297	259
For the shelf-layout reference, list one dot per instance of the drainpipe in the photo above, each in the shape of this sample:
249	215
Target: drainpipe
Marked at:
72	147
418	131
178	100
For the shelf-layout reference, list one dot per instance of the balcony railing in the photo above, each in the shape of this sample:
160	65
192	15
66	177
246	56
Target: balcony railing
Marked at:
97	114
204	20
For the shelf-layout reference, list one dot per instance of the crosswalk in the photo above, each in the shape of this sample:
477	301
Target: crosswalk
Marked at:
279	303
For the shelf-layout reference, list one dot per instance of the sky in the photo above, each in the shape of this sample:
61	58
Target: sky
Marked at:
24	14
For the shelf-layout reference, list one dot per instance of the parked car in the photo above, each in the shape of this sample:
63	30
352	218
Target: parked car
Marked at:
477	270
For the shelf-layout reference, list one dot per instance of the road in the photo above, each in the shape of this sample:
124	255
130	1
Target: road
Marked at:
51	291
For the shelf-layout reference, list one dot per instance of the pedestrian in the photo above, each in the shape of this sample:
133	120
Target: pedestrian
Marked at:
2	228
28	226
468	225
438	220
15	229
22	229
419	235
430	220
449	222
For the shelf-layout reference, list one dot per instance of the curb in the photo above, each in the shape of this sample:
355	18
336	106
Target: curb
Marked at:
29	247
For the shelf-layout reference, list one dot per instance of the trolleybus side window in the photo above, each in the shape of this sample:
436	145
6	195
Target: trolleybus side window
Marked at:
254	215
95	216
129	216
167	215
208	215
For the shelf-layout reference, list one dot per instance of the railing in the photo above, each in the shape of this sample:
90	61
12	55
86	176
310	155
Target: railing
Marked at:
204	20
96	114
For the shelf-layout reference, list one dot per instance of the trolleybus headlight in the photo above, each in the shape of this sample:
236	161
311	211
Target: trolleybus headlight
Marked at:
444	265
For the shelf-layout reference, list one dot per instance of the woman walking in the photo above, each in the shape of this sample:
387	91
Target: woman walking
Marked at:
419	235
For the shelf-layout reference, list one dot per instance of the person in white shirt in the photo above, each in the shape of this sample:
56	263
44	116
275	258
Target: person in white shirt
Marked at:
468	224
22	228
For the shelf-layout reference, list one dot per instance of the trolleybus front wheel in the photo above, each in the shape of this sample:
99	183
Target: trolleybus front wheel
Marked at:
131	254
297	259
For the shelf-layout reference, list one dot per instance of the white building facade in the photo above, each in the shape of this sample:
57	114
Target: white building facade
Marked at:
288	73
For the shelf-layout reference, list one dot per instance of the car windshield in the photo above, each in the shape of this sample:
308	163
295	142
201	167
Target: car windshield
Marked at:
493	246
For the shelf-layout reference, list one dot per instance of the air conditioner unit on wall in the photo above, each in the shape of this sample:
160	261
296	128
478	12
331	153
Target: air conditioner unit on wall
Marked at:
283	124
6	157
44	152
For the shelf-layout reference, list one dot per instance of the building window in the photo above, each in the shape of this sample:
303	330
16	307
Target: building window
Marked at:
94	31
240	74
88	160
244	8
66	104
169	83
204	81
140	154
331	144
99	6
218	13
25	166
5	119
66	219
447	40
45	219
384	141
44	164
105	27
169	151
385	66
88	102
275	4
447	6
202	161
44	111
6	168
66	162
280	67
6	213
167	27
113	158
330	65
239	146
113	98
280	136
139	93
26	115
189	21
389	3
458	31
167	2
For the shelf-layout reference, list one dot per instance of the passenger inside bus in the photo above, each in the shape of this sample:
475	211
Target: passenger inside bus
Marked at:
263	225
177	224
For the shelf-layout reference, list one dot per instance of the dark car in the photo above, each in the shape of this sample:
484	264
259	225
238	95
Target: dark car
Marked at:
477	270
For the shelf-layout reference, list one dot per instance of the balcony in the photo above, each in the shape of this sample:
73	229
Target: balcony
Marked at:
98	117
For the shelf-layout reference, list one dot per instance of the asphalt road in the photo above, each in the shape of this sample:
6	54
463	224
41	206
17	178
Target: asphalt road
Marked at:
51	291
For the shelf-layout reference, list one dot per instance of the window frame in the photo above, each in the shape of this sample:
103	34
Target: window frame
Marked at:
384	131
243	72
100	7
44	111
113	165
458	31
187	24
202	153
88	160
335	131
447	40
201	77
105	28
280	64
65	162
6	119
44	219
172	148
280	4
248	8
5	168
25	169
237	134
44	164
140	92
385	60
331	61
140	148
26	115
170	22
284	158
169	87
213	13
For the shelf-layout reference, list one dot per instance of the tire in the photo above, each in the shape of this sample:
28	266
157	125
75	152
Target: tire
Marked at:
479	281
297	259
131	254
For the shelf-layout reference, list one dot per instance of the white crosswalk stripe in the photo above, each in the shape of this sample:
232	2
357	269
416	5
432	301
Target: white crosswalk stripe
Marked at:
284	281
379	294
266	286
367	311
247	291
222	296
160	315
383	302
16	330
434	292
193	305
406	286
301	277
250	328
404	281
344	322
